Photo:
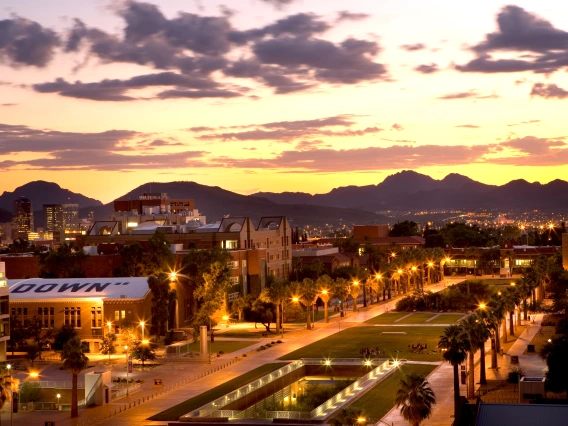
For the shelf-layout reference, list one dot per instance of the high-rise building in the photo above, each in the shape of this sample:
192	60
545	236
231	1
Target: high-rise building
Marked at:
23	219
70	217
53	214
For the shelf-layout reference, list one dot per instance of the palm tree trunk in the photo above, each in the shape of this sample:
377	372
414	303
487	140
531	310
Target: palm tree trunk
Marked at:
456	392
325	312
278	318
471	378
525	309
308	322
74	407
482	376
511	325
504	330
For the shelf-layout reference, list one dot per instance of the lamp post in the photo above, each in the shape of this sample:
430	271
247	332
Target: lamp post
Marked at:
324	295
354	294
127	383
413	269
109	325
9	367
430	265
142	324
378	278
58	399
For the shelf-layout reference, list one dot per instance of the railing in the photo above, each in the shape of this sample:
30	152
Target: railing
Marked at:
93	390
299	415
134	387
60	385
219	403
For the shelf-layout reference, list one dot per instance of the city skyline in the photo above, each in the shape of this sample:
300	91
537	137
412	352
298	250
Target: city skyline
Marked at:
279	95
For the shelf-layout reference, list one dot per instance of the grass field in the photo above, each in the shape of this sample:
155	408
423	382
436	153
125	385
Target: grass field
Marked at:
348	343
386	318
227	346
175	412
378	401
446	319
416	319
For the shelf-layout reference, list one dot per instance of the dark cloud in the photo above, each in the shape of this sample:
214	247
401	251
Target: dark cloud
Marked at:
25	42
116	90
413	47
111	150
548	91
520	32
197	94
8	105
286	131
200	129
345	15
523	122
300	25
427	69
468	126
348	62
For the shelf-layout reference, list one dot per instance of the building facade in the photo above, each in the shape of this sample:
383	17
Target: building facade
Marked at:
53	215
23	218
93	307
4	312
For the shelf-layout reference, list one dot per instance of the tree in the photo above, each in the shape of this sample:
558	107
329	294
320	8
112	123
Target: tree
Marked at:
238	306
340	291
306	292
349	417
453	344
6	387
160	258
63	335
476	333
32	352
74	361
483	333
133	264
108	345
18	333
415	397
35	330
263	309
30	391
404	229
163	301
555	354
276	293
144	352
65	262
210	296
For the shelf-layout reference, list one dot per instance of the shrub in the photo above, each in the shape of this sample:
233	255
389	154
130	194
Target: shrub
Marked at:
30	391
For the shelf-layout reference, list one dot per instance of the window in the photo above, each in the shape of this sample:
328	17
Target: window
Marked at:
96	317
231	244
119	316
46	315
72	316
233	264
234	280
20	313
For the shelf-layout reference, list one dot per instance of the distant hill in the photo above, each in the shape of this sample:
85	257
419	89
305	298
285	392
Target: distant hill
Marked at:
215	203
408	190
40	193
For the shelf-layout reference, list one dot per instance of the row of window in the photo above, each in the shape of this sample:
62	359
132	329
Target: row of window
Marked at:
71	316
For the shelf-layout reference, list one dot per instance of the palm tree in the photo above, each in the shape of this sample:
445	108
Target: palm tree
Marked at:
307	293
74	360
277	293
511	299
416	397
325	285
350	417
6	388
476	332
496	314
482	333
453	344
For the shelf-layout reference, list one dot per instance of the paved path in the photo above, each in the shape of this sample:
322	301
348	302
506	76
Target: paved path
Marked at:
441	379
175	372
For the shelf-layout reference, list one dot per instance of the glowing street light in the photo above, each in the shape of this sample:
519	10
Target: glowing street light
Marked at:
513	284
109	324
482	306
142	324
324	296
173	275
34	374
58	398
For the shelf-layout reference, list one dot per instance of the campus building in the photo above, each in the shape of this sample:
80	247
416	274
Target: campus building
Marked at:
4	312
89	305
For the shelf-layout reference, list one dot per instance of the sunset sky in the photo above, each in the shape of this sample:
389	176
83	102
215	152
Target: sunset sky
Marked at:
280	95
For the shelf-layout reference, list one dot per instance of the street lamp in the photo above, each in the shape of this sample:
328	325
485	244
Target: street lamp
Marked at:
58	398
9	367
324	295
142	324
109	324
126	352
355	293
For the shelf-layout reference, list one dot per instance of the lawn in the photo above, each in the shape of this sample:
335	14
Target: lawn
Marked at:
386	318
348	343
241	334
416	318
446	319
175	412
378	401
227	346
318	316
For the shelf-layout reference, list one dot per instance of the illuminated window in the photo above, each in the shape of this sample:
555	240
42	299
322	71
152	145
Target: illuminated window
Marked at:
96	317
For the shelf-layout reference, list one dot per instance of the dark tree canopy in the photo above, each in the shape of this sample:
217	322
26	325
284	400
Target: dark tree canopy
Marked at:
65	262
404	229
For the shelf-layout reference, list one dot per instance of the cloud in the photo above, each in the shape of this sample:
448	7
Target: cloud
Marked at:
413	47
468	126
533	151
523	122
7	105
427	69
279	4
345	15
347	160
520	32
469	94
286	131
25	42
117	90
200	129
397	127
548	91
110	150
398	140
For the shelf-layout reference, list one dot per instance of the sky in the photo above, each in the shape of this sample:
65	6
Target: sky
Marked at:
280	95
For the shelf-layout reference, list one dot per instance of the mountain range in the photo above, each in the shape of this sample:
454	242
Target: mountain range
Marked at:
403	191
